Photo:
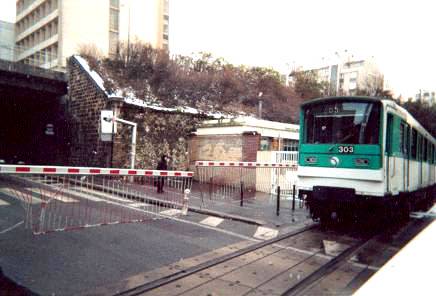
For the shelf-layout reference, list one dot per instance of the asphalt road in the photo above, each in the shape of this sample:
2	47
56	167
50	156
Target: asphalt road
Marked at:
70	262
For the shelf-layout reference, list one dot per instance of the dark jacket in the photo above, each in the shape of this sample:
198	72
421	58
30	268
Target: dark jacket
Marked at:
162	164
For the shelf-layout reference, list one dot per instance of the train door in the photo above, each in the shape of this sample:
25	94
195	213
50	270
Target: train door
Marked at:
419	159
404	146
388	151
428	163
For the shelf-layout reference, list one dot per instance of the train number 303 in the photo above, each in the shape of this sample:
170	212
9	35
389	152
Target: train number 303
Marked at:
345	149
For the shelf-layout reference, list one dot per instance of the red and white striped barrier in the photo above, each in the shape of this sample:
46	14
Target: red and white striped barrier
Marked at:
57	198
243	164
60	170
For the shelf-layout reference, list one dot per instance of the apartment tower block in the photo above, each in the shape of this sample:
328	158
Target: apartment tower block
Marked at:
47	32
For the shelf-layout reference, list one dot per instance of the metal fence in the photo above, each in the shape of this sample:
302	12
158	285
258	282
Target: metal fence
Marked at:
240	182
65	198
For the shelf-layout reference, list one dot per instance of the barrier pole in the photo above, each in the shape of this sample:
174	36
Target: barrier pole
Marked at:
293	197
242	193
278	201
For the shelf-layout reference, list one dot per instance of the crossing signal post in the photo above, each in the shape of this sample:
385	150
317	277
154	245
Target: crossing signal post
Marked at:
108	121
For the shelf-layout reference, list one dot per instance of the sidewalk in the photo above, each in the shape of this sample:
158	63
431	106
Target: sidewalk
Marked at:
259	208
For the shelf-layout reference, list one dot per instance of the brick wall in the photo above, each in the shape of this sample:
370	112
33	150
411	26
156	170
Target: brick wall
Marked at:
215	147
250	146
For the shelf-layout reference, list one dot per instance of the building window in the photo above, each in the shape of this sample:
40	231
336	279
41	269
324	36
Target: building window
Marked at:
114	20
290	145
166	7
113	43
115	3
265	144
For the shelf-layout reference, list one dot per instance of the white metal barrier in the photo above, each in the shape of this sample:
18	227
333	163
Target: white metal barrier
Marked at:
67	198
226	179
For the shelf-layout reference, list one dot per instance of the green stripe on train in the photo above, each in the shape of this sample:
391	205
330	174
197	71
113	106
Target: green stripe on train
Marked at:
320	155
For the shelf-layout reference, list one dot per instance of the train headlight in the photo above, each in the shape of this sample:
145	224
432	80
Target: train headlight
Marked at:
311	159
334	161
361	161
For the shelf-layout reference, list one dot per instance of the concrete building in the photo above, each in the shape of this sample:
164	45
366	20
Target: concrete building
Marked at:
350	76
242	138
50	31
246	139
426	96
7	41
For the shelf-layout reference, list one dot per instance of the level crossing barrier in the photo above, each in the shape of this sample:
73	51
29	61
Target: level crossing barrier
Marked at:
239	182
66	198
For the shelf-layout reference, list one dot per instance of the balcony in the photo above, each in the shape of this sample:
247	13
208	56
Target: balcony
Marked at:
39	24
40	46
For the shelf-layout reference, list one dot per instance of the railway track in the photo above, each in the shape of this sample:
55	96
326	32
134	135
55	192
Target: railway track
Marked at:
288	265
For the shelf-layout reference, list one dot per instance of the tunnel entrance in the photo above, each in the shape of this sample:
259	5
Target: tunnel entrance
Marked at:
32	127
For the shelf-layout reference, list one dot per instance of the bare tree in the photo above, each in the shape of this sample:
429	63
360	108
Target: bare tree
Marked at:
371	85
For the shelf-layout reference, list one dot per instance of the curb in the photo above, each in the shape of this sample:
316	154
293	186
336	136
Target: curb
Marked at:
227	216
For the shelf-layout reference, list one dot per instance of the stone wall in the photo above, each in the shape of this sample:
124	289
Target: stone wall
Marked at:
85	101
158	132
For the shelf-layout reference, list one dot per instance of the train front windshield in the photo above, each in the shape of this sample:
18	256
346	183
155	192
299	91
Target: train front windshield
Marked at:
342	122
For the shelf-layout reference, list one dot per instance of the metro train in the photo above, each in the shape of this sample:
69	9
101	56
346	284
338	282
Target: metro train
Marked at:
363	158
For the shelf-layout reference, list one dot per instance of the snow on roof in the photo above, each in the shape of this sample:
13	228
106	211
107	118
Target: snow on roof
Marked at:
94	75
130	97
253	122
242	124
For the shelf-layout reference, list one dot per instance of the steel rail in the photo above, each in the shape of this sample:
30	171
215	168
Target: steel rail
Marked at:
327	268
192	270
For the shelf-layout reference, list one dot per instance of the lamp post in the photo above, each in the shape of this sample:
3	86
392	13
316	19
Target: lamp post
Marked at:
128	37
260	104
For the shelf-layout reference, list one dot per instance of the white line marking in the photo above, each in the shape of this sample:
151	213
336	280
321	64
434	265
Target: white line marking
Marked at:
57	194
73	191
103	195
140	205
13	193
265	233
4	203
241	236
333	248
171	212
11	228
212	221
324	256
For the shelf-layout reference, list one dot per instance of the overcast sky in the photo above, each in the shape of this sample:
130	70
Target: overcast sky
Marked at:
400	34
282	33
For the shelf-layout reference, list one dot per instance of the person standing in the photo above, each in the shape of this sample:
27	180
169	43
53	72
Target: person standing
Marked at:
161	166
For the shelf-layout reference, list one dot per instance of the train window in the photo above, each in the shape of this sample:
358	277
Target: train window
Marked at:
389	133
433	155
414	144
419	147
424	149
342	122
406	139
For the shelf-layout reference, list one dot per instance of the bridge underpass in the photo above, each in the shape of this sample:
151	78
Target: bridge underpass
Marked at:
32	120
